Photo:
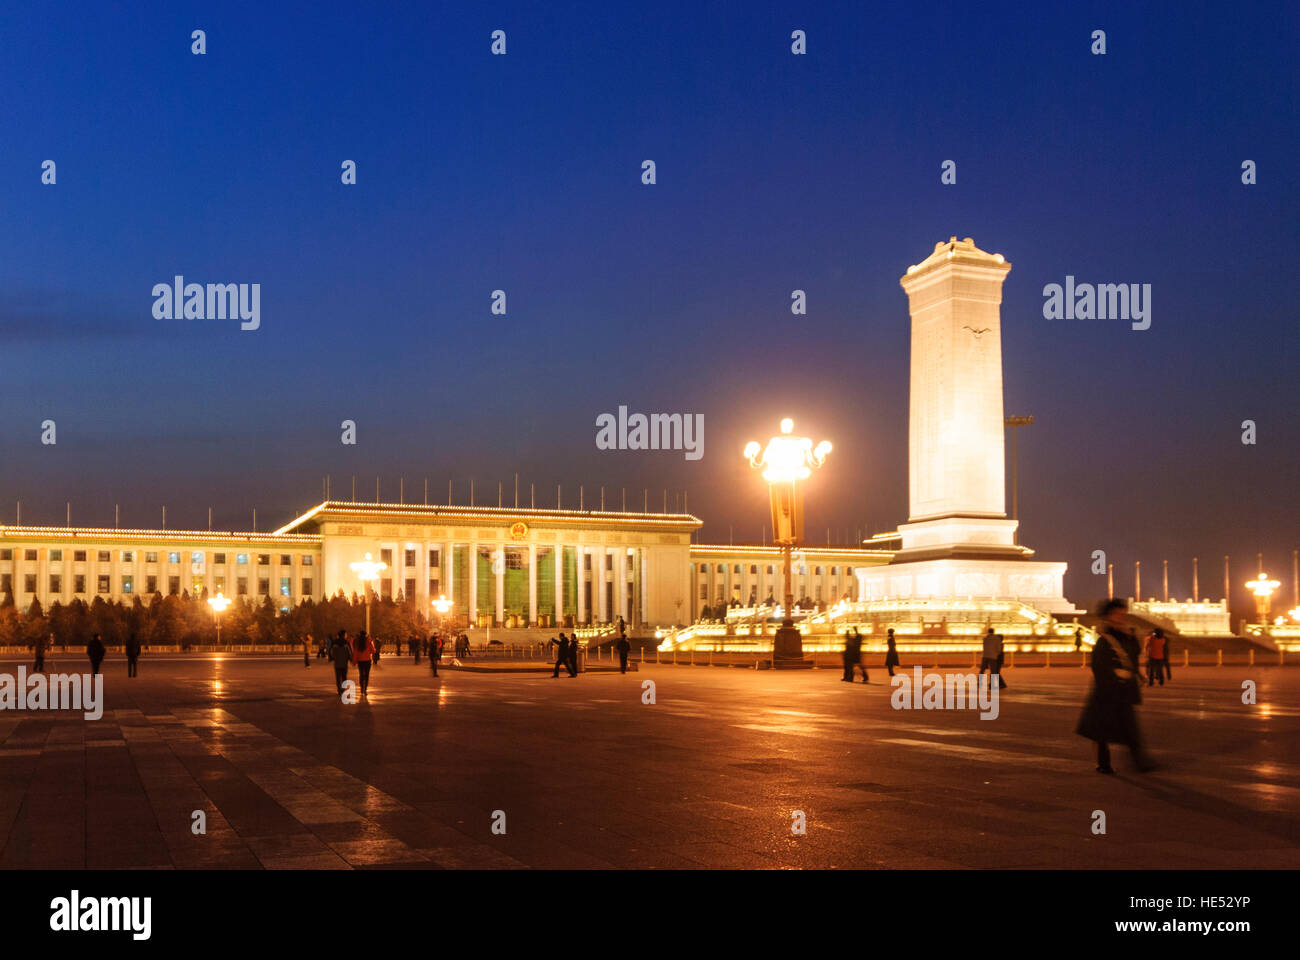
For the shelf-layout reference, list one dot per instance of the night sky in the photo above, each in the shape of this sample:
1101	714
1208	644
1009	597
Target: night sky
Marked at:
523	172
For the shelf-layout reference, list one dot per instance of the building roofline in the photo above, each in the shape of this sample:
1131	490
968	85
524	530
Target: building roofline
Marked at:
132	533
768	549
462	513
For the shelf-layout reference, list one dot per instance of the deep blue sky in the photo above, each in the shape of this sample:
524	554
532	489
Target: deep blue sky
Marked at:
522	172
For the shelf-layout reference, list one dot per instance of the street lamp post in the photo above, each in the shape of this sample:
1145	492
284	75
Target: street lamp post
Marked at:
1014	423
785	461
218	605
368	571
1263	589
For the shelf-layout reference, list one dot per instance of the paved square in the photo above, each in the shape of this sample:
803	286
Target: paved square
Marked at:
589	776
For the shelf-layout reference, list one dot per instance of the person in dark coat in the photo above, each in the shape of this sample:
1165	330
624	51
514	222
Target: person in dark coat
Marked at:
572	665
416	644
891	655
41	646
435	653
341	654
95	650
623	647
561	654
132	656
1108	715
852	656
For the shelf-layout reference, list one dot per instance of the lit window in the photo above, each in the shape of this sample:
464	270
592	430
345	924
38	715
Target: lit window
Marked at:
128	584
284	587
241	559
305	559
174	556
150	557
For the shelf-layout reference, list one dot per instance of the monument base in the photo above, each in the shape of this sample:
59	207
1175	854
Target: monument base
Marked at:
787	649
1038	583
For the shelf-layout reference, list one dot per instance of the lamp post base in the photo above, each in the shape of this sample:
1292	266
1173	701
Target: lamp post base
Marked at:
787	649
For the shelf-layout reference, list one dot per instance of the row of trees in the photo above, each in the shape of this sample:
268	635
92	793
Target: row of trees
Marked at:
187	620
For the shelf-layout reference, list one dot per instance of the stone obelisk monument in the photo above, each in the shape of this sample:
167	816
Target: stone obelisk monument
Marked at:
958	542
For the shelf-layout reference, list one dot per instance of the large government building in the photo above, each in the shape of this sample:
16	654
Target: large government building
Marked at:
499	566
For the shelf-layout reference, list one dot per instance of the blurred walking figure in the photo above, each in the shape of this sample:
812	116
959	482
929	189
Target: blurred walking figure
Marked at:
1157	657
623	647
306	650
398	641
852	655
1108	715
416	643
1078	640
992	661
379	647
560	654
573	656
95	650
363	652
341	654
41	646
435	653
891	655
132	656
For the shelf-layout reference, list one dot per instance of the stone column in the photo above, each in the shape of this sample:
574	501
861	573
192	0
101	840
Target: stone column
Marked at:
532	584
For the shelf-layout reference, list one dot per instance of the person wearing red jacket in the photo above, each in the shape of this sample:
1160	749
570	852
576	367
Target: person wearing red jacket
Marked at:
363	652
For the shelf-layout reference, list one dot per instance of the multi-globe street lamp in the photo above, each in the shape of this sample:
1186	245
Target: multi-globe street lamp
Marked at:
785	461
219	604
368	571
1263	589
443	606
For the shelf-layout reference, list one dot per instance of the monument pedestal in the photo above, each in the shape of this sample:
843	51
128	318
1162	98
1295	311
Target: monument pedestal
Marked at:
787	649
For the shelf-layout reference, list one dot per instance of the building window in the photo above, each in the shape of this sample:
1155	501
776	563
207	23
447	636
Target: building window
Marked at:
79	583
305	559
386	587
819	593
151	585
753	569
29	583
101	583
6	582
704	591
736	569
306	586
128	556
263	586
386	556
435	587
586	561
435	559
197	557
285	588
241	559
219	558
771	570
241	587
263	559
79	556
6	554
56	555
173	556
848	571
410	558
174	586
410	587
285	561
128	584
150	557
29	555
220	584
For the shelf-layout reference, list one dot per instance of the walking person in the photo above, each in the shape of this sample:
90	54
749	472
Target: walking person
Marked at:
624	647
1078	640
416	643
379	647
398	641
95	650
852	656
363	652
306	650
992	661
1156	648
561	654
132	656
573	656
891	655
1108	715
341	655
435	653
41	646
